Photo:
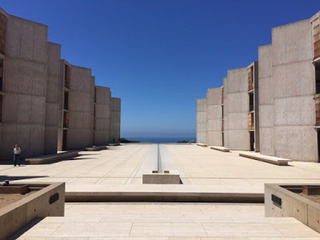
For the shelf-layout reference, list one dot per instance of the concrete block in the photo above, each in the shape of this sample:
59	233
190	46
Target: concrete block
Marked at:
160	178
266	116
266	91
292	43
265	62
294	79
298	143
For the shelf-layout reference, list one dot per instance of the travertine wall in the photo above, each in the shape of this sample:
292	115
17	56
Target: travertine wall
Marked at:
102	116
202	120
236	107
214	117
115	120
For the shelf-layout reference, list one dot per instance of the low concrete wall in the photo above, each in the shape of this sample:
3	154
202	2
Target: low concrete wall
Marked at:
49	201
280	202
161	178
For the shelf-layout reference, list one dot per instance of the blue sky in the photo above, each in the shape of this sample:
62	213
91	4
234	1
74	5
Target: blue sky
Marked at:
159	56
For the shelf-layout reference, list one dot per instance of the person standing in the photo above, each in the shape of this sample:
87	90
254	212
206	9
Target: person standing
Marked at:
16	155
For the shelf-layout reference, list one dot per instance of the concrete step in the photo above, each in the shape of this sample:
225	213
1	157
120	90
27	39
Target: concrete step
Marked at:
52	157
220	148
96	148
202	145
265	158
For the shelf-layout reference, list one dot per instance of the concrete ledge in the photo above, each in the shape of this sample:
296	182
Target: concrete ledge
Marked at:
282	202
52	157
220	148
96	148
141	196
265	158
202	145
114	144
48	201
161	178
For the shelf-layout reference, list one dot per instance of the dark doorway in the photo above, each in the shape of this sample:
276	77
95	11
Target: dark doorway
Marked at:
318	136
222	139
251	141
64	140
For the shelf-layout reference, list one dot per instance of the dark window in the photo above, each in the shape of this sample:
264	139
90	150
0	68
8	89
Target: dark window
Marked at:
251	105
317	70
1	75
67	76
66	100
0	108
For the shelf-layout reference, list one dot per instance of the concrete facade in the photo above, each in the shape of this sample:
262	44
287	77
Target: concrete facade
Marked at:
236	108
287	107
35	100
275	109
202	120
102	121
214	117
115	120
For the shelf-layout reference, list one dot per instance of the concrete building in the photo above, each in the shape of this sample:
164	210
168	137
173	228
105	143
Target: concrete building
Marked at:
281	97
287	79
46	104
202	120
214	117
236	109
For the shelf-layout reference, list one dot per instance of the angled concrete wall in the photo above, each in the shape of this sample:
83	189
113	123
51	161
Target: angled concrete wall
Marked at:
24	84
115	120
266	100
102	116
53	99
214	117
236	107
287	88
202	120
81	108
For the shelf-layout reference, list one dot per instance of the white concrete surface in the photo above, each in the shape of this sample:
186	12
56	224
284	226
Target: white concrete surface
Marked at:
168	221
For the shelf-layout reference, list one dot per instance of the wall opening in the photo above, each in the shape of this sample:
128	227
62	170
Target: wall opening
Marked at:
3	26
318	143
64	140
66	101
0	108
317	72
67	76
65	119
222	135
1	75
250	79
251	141
251	102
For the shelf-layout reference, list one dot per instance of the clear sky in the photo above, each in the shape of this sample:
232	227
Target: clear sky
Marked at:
159	56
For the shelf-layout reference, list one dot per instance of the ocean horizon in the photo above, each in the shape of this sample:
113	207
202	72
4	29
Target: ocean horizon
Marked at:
161	139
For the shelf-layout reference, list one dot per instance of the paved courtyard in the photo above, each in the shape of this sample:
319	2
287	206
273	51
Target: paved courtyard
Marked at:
121	168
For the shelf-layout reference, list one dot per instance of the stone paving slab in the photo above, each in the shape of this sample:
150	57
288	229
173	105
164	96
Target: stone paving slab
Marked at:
167	221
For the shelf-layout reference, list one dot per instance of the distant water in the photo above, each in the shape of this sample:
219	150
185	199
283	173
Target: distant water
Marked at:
161	139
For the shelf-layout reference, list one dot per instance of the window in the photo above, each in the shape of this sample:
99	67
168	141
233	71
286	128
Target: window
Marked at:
317	71
1	75
0	108
66	101
251	104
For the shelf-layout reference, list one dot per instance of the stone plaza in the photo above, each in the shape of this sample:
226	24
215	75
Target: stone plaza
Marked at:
202	170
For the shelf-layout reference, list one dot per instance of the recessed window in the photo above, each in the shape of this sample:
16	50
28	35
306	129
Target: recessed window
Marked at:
317	71
251	104
0	108
1	75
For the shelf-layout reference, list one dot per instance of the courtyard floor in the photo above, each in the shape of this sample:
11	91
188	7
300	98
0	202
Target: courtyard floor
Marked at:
121	168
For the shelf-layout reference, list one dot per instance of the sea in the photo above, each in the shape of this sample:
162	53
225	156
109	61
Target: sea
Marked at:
161	139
